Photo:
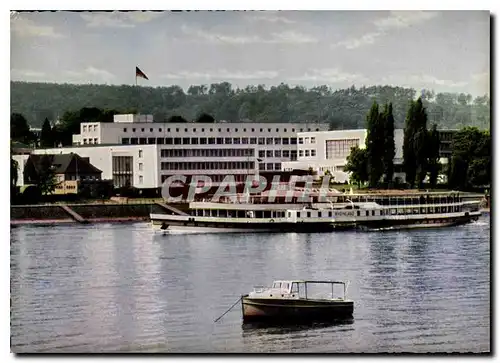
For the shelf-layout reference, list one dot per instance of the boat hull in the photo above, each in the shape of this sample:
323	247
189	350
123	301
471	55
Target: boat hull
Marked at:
272	310
193	225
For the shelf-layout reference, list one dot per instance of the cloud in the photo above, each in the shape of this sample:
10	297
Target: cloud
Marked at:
289	37
330	75
482	81
404	19
118	19
428	79
292	38
395	20
367	39
222	75
27	73
269	16
219	38
423	80
28	28
90	74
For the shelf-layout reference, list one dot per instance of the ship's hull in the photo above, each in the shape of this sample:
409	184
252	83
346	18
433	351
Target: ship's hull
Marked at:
170	224
268	310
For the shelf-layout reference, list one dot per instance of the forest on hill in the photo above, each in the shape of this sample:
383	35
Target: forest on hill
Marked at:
342	108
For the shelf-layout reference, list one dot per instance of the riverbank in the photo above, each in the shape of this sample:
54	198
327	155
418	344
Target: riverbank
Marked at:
86	213
110	211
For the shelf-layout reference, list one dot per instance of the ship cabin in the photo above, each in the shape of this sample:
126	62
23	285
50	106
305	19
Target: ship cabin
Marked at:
301	289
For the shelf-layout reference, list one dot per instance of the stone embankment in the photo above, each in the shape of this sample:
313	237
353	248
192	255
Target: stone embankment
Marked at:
88	213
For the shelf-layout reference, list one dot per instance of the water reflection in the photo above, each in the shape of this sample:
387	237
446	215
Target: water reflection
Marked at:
262	328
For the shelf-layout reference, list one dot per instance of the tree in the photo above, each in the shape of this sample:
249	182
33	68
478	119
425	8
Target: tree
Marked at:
14	169
389	146
46	178
414	144
177	119
433	164
205	118
470	159
20	130
374	145
343	108
420	141
46	136
357	165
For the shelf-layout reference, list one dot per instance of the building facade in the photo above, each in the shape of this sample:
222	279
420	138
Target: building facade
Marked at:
134	150
213	149
70	171
126	165
328	151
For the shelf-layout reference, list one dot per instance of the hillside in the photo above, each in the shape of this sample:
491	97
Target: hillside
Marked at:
344	108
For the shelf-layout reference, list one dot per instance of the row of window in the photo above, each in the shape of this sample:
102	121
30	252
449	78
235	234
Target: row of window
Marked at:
306	153
125	129
172	153
340	149
307	140
210	140
207	165
270	166
90	128
90	141
320	214
60	186
217	178
277	153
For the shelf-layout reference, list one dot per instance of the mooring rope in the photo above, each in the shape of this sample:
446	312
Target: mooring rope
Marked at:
237	301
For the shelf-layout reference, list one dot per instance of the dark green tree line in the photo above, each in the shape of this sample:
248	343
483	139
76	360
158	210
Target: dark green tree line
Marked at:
389	147
471	159
375	145
342	108
357	165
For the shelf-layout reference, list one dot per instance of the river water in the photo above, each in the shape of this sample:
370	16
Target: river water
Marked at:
123	288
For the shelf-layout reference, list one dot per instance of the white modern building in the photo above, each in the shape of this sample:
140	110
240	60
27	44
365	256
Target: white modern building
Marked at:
328	150
134	148
135	165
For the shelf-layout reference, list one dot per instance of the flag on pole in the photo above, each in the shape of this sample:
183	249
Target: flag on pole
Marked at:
139	73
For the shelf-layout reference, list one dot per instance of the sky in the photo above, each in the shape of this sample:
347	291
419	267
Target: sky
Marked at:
445	51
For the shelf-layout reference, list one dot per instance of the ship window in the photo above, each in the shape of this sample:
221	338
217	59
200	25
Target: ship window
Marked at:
295	287
358	213
289	214
298	214
277	284
319	214
330	214
373	212
285	286
308	214
367	213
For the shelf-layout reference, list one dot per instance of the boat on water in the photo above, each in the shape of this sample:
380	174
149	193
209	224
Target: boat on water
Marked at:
342	212
297	300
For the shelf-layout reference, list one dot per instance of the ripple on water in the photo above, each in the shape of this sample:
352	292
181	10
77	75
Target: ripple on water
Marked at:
123	288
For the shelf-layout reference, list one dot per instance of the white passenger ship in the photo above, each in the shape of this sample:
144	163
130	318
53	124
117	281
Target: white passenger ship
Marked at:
345	211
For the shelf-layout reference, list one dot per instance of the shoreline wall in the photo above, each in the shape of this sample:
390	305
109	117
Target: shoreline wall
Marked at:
91	213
